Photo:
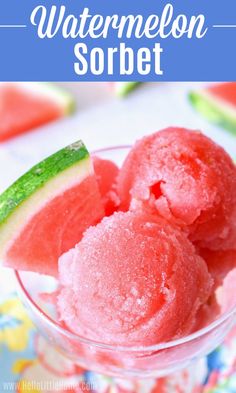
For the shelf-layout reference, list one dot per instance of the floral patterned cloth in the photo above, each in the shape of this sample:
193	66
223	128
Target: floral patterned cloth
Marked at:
29	364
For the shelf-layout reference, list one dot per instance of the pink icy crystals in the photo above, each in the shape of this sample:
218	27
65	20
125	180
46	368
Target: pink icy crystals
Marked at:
188	179
134	279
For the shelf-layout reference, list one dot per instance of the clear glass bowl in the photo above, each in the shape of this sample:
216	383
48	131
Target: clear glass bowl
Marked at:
126	362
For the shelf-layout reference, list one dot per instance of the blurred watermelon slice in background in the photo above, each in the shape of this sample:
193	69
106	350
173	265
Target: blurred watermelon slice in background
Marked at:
217	103
24	106
121	89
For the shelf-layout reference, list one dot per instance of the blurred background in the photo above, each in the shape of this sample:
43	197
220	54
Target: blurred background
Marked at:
104	115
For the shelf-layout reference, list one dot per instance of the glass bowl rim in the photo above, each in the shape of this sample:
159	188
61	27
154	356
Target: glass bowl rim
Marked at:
111	347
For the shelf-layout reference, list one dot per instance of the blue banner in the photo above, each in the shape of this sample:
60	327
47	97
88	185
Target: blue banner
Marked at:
143	40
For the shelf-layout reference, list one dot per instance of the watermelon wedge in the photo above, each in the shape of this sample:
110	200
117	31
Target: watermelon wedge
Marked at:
217	103
45	212
121	89
24	106
106	173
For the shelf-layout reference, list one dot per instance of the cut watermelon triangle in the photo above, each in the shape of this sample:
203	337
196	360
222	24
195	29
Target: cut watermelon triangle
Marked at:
24	106
45	212
122	89
106	173
217	103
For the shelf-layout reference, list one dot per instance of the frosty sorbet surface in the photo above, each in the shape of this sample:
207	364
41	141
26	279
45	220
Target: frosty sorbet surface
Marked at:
136	278
188	179
144	253
151	271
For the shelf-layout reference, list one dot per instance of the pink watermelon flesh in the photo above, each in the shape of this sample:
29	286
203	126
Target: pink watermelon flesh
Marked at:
21	111
186	178
56	228
224	91
136	278
106	174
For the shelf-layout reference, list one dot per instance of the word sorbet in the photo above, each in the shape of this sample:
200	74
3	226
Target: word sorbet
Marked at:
128	54
128	61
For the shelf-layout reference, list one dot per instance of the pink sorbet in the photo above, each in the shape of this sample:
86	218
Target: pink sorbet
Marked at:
188	179
219	264
134	279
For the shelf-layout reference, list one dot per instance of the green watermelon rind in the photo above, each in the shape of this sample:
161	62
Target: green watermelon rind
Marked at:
214	110
122	89
53	92
38	176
